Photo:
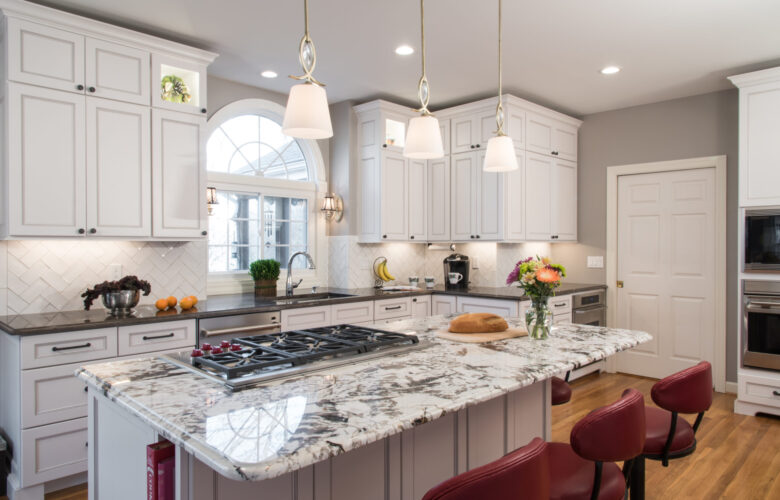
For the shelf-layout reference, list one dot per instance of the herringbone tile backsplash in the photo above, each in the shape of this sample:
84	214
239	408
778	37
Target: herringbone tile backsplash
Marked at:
50	275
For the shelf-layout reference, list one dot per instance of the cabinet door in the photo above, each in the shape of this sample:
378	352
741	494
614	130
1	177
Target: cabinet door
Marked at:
119	170
421	307
394	197
564	141
759	129
442	304
370	213
307	317
117	72
564	201
178	176
45	56
514	201
439	199
538	179
539	134
515	125
463	194
417	192
46	174
444	126
463	134
489	202
487	127
504	308
193	76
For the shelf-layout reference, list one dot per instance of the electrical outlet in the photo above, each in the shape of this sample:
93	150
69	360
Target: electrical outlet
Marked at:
115	270
596	261
474	263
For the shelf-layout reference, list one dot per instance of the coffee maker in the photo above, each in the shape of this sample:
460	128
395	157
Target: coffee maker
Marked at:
457	263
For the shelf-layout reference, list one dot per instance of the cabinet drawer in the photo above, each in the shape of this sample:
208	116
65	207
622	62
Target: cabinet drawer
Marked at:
54	451
560	305
392	308
562	319
156	337
52	395
307	317
357	312
504	308
68	347
759	390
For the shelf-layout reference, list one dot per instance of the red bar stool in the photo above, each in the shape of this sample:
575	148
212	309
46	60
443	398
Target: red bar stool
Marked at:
561	390
670	436
522	474
586	468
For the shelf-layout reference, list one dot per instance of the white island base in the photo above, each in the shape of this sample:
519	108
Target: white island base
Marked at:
402	466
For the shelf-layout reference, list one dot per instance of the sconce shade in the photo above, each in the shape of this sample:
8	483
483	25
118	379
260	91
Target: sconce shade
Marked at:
211	196
307	115
332	207
423	139
500	155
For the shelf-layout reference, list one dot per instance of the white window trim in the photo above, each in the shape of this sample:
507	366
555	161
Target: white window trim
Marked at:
239	281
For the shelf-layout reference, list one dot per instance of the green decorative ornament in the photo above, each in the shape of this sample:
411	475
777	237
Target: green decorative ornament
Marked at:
173	89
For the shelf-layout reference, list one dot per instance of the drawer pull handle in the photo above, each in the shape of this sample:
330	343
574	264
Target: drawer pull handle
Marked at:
68	348
166	336
560	305
392	308
776	393
86	389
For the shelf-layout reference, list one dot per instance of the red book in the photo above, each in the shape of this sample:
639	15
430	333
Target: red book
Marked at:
165	479
155	453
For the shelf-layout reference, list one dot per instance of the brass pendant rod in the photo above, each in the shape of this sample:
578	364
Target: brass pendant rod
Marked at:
307	63
423	87
500	107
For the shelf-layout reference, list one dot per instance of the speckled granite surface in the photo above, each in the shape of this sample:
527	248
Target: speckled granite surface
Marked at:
269	430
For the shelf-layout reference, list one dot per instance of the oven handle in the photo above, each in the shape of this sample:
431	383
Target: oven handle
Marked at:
762	306
241	329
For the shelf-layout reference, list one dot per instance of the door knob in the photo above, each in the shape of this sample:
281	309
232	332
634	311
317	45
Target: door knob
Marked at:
620	284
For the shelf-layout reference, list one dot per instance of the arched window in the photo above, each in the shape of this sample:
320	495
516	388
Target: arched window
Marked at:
266	188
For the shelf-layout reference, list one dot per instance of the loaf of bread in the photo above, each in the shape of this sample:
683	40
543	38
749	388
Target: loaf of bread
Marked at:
478	323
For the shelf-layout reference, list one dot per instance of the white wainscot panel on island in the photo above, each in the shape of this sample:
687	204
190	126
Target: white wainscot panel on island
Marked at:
389	427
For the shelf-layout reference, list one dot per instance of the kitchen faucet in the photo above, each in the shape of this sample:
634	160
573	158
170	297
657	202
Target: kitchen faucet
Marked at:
310	264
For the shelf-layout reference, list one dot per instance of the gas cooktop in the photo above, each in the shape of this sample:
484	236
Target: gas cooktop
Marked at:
250	360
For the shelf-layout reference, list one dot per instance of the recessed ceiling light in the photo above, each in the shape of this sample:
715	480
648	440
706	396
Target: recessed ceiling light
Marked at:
404	50
610	70
269	74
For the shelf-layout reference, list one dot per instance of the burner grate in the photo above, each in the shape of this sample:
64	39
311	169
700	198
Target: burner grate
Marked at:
276	351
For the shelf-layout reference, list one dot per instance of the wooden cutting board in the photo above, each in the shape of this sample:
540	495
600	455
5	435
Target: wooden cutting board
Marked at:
479	338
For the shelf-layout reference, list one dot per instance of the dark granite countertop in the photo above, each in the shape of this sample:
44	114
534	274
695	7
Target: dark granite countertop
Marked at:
223	305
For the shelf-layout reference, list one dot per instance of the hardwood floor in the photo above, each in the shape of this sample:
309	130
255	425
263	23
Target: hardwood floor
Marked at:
737	457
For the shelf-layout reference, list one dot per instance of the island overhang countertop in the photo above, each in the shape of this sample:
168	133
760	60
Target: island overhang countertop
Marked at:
272	429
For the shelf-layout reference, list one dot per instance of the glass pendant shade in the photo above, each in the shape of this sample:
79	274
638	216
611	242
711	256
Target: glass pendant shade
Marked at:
423	139
500	155
307	115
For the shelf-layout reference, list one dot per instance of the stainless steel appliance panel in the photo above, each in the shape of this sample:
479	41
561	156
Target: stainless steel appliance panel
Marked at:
215	330
762	240
761	324
595	316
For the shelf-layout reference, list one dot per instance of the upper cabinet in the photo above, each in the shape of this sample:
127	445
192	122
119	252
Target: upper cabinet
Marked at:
759	130
81	137
551	137
476	199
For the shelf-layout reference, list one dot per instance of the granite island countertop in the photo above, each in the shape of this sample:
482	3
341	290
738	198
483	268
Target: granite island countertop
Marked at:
265	431
223	305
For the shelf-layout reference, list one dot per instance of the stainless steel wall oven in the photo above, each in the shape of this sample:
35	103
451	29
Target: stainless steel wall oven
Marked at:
761	324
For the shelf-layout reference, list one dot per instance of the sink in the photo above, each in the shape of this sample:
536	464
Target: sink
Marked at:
311	297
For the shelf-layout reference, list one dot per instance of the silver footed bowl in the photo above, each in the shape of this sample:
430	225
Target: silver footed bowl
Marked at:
121	303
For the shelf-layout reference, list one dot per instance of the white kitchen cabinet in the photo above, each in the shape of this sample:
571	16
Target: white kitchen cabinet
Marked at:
477	200
352	313
45	56
394	197
421	306
438	199
504	308
392	308
46	158
514	201
548	136
119	173
155	337
417	193
53	451
471	131
51	395
178	175
564	201
443	304
759	129
115	71
191	73
306	317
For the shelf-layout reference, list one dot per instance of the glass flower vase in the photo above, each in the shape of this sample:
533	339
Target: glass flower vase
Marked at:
538	318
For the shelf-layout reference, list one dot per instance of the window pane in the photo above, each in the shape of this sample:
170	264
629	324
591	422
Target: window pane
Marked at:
298	209
242	129
298	234
217	259
219	150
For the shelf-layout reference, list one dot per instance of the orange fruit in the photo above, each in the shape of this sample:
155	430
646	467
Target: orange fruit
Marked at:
172	301
194	299
186	303
161	304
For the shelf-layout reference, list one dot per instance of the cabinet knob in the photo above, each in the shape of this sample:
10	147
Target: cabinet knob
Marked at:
477	145
92	89
79	87
472	146
384	145
92	231
203	110
384	236
204	233
81	230
472	236
477	236
411	237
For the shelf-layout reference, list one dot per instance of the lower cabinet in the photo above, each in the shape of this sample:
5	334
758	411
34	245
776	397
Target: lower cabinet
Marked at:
352	313
505	308
442	305
53	451
392	308
306	317
421	306
52	394
155	337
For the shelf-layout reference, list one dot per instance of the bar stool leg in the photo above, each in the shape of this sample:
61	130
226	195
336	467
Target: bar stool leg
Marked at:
638	479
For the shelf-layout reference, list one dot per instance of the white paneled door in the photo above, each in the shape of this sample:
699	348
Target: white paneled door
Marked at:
666	262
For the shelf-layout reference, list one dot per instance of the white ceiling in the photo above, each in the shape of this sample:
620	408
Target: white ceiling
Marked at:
553	49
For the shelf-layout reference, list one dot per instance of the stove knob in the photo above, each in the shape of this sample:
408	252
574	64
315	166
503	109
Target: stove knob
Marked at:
216	350
196	353
205	346
224	344
236	347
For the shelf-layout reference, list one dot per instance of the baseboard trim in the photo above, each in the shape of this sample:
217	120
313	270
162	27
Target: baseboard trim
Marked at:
731	387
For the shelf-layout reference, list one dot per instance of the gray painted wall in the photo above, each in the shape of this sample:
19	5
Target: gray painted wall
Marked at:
343	166
703	125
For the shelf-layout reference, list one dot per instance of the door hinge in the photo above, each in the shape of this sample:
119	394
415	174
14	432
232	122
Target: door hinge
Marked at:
620	284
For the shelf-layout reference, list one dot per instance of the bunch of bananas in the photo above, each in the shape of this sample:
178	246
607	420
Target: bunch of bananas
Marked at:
382	272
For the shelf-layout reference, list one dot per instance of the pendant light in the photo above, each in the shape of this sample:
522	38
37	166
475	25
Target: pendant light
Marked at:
423	139
307	115
500	155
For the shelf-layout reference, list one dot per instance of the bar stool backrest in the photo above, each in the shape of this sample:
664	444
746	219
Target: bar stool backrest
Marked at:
687	391
614	432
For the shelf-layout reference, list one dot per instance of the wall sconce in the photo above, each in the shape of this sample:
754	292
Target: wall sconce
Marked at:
211	198
332	207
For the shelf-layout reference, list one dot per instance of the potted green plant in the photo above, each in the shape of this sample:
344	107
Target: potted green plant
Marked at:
265	272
